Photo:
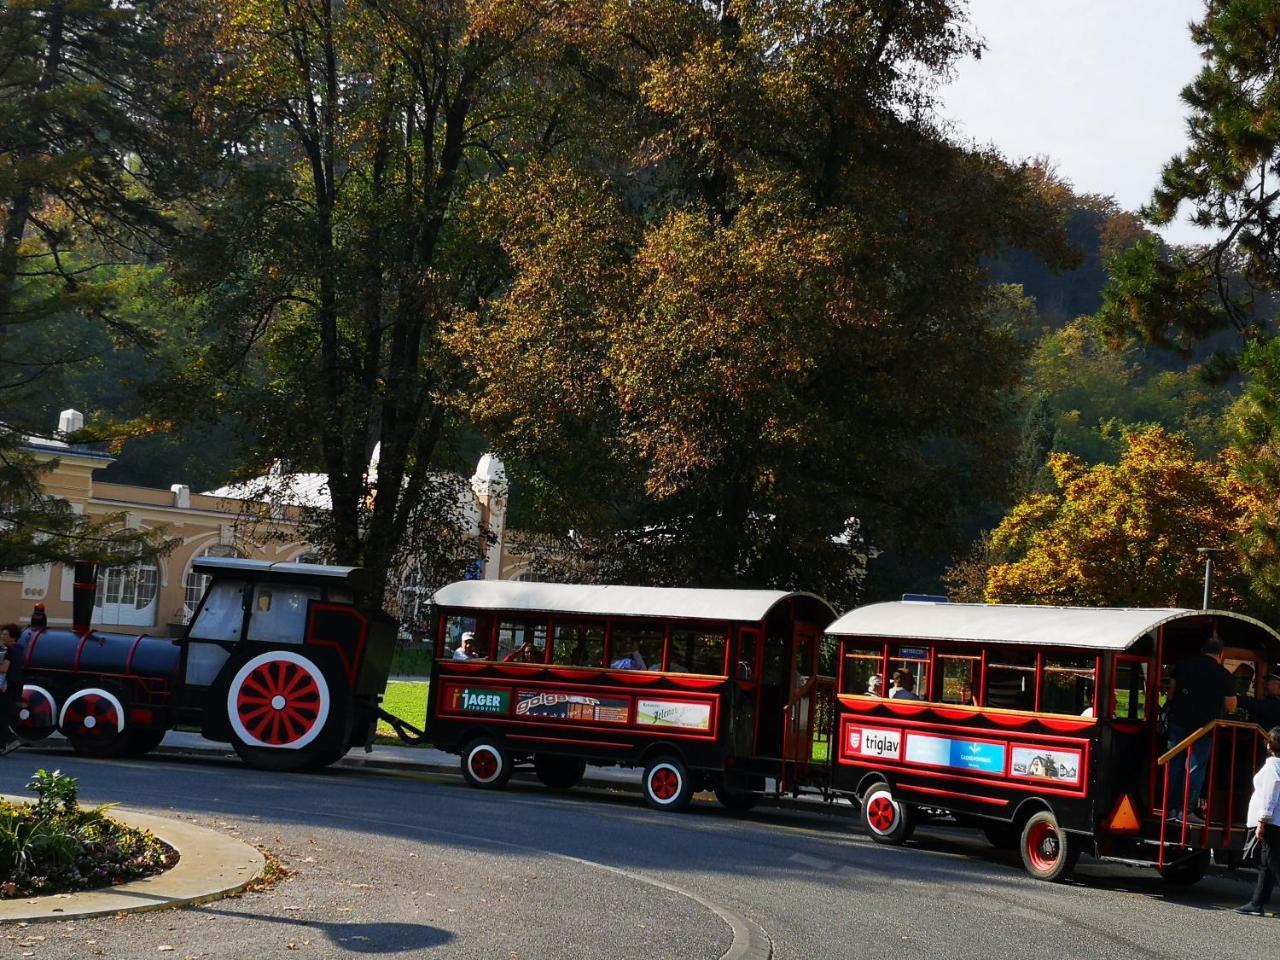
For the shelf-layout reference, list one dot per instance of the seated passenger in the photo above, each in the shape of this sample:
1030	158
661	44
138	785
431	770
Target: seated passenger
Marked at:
525	653
466	649
632	661
874	684
904	686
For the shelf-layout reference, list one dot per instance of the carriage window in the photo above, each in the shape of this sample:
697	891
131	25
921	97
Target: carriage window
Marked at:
1130	690
636	648
525	642
1011	680
959	679
222	615
1067	686
280	613
696	651
579	645
862	662
454	628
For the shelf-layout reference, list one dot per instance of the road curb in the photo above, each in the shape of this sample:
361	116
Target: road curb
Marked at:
210	866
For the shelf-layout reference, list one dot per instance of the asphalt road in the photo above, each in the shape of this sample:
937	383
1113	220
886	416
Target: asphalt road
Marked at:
423	866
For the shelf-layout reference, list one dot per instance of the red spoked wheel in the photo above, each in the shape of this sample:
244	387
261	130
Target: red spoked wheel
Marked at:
37	714
93	720
1048	852
278	700
667	784
486	764
885	819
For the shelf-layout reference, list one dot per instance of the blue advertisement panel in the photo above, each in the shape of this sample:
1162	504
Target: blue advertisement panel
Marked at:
957	754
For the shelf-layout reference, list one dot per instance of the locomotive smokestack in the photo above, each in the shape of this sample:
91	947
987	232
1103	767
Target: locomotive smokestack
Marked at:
86	584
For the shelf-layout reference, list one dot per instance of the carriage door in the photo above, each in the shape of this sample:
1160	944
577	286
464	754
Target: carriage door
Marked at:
800	714
745	671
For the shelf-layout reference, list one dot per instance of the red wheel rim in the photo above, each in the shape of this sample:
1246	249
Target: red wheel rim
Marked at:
92	716
664	783
1043	846
882	813
279	702
484	763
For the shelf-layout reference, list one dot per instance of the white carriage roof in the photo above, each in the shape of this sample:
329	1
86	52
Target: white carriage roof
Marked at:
223	564
1094	628
677	603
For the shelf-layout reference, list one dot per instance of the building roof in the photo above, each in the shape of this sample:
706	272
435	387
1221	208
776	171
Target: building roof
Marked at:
676	603
1094	628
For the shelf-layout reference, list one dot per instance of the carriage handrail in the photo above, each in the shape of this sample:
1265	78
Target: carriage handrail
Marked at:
1206	729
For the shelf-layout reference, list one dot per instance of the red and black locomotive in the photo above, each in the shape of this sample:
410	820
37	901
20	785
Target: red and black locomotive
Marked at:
284	661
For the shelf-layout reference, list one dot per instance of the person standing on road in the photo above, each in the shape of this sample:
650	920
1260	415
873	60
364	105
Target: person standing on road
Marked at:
11	662
1201	692
1264	818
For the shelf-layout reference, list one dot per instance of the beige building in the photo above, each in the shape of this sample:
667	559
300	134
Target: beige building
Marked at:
160	597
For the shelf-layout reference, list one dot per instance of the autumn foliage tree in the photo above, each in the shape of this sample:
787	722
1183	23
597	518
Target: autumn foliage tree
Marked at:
752	326
1126	534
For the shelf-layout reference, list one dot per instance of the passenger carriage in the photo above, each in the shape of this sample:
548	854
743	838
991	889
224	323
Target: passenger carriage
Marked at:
1039	724
730	692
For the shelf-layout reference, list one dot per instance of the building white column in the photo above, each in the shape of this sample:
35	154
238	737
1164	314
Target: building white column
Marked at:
489	484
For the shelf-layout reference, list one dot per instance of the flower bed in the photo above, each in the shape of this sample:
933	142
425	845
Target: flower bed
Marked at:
53	846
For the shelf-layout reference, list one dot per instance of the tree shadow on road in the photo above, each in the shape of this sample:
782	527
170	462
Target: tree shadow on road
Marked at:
376	938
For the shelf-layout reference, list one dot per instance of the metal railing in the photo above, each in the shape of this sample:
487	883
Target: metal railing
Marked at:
1234	743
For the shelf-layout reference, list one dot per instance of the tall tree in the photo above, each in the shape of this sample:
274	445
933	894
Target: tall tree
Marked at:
84	170
330	261
759	328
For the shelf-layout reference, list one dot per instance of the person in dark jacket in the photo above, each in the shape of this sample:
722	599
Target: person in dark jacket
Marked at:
1265	710
12	656
1201	692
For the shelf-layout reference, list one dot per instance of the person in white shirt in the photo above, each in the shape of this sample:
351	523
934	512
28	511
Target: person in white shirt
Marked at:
466	647
903	686
1264	818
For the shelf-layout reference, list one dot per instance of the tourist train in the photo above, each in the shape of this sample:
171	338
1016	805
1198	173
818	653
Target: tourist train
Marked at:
1040	726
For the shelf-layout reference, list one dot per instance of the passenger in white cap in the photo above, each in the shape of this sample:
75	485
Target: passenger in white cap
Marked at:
466	649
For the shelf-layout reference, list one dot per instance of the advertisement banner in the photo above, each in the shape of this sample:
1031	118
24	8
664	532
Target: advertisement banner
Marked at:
868	742
1041	763
479	699
674	713
571	706
957	754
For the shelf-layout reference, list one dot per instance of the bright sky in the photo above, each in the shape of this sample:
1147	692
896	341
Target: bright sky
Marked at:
1092	84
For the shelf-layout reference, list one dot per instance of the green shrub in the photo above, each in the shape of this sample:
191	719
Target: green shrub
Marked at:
53	846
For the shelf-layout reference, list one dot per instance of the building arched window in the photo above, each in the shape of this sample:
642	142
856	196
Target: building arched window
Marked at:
126	596
195	583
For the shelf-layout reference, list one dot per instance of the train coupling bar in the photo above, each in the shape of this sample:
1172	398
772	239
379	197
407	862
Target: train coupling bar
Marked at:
405	731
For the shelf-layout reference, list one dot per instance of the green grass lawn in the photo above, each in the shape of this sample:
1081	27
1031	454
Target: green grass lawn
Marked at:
408	701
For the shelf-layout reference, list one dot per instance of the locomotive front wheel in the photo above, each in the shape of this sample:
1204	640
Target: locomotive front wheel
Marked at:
667	784
36	715
886	819
558	773
1048	851
485	764
283	713
92	720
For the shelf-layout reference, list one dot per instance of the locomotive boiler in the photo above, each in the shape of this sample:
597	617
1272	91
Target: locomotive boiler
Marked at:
284	661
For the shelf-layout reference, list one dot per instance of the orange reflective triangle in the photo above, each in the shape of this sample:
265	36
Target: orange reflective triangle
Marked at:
1124	818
